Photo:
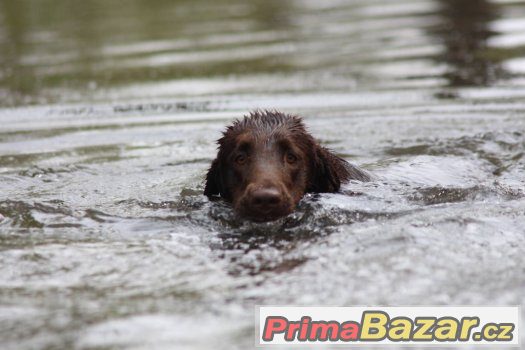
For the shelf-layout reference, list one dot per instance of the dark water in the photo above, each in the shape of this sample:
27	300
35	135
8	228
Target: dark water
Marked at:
108	113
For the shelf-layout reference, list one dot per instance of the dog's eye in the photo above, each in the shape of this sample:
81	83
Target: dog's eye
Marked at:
291	158
240	159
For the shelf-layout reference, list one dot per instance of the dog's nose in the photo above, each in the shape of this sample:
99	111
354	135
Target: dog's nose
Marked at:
266	198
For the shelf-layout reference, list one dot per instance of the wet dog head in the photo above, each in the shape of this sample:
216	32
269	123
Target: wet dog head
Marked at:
267	161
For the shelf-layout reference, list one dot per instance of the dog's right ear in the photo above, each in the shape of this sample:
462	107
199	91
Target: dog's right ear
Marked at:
214	185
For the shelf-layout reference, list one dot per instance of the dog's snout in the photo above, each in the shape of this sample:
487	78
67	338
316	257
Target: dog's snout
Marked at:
266	198
265	202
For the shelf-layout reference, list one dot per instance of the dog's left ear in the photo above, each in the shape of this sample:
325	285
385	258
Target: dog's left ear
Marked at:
214	185
328	171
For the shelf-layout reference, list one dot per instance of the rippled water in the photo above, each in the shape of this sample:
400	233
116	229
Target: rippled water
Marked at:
109	112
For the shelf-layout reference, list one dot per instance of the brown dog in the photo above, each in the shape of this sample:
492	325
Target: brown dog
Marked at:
268	161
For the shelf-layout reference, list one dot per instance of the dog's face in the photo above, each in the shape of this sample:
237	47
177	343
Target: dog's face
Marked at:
267	173
267	162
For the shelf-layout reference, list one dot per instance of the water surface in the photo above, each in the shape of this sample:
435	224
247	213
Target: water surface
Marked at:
108	115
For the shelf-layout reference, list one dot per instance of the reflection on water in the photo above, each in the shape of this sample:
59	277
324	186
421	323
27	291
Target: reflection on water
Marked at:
464	30
108	115
79	47
61	51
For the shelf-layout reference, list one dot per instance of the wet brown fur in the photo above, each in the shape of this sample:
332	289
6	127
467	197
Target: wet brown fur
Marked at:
267	161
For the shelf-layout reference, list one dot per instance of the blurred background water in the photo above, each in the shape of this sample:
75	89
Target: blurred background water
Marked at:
108	115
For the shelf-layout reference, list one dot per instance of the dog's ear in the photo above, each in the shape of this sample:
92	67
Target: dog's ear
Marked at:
214	184
328	171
